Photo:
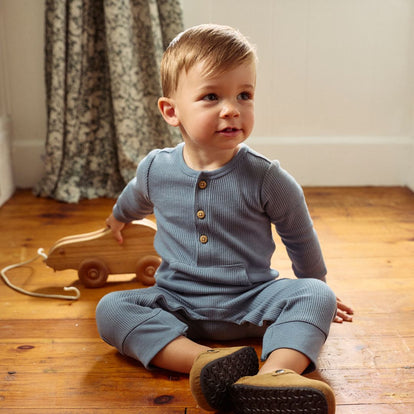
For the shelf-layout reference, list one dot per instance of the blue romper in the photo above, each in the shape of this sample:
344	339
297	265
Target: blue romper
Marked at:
215	280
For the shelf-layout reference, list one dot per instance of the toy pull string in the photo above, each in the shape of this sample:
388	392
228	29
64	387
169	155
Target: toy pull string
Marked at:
40	253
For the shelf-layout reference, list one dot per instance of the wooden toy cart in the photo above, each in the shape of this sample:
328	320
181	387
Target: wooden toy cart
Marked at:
96	255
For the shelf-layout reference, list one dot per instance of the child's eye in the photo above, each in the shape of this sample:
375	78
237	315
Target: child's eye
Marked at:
210	97
245	96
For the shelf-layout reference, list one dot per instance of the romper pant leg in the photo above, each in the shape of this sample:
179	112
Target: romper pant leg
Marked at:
139	332
304	320
297	312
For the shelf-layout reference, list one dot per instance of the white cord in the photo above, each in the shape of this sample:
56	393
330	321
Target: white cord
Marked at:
40	253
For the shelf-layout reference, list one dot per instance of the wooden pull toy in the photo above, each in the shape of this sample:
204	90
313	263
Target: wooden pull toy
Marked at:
97	254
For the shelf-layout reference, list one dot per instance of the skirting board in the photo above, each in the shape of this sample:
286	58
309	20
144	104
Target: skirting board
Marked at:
313	161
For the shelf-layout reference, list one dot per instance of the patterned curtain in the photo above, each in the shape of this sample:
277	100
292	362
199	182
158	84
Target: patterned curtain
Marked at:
102	85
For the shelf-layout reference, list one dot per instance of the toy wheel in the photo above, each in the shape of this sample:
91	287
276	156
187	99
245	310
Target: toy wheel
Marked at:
146	268
93	273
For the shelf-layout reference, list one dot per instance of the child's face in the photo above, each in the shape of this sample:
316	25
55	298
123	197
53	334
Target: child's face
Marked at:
217	112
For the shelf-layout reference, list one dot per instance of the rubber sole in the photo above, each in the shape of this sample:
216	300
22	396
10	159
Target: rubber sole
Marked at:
217	377
265	400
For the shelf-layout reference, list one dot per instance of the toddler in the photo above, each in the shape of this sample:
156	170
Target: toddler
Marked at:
214	200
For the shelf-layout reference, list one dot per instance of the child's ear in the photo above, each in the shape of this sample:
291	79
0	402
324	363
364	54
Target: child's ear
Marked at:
167	109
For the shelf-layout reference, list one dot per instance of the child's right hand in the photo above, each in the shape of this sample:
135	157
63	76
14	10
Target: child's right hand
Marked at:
116	227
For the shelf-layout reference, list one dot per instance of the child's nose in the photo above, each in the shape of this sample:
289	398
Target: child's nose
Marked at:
230	110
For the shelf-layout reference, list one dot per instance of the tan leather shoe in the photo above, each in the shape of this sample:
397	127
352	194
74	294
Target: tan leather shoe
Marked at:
216	370
282	392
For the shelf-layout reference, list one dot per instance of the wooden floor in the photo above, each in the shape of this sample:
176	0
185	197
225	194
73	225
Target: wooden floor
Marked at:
53	361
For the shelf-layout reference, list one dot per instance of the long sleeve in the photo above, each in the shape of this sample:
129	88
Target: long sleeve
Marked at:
134	203
286	206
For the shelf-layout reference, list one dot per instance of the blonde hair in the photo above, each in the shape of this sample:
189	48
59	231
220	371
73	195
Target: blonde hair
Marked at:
220	48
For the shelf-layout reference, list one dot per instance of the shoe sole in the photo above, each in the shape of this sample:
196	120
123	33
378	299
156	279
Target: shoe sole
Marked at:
254	400
217	377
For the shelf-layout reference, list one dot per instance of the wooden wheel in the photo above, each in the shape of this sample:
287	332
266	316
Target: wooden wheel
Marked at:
93	273
146	268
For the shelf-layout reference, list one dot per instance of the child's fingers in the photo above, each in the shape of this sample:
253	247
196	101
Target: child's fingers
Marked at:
341	305
342	316
346	317
343	313
116	229
118	237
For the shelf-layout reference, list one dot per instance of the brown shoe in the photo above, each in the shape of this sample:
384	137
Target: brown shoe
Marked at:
216	370
282	392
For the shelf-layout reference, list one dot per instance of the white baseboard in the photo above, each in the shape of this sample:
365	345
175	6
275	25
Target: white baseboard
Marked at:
313	161
343	161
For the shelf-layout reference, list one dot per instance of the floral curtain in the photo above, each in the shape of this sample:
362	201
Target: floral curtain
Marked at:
102	84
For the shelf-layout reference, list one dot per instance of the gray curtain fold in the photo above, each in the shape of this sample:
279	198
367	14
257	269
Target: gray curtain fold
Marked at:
102	62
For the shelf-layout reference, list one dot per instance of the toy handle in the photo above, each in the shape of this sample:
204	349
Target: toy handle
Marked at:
40	253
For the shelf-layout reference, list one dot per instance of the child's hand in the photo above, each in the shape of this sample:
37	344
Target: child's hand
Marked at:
116	226
344	312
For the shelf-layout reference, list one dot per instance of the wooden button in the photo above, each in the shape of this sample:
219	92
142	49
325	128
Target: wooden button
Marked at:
202	184
203	239
201	214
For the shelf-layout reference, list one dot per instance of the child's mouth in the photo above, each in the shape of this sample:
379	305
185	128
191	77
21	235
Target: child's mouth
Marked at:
229	130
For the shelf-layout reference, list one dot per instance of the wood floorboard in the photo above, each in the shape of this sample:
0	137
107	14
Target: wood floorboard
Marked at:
53	361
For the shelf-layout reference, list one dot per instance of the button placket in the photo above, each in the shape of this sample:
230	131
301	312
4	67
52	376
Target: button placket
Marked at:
202	226
201	222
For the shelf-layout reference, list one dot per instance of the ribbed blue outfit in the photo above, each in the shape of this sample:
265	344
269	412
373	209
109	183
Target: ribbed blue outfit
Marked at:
215	280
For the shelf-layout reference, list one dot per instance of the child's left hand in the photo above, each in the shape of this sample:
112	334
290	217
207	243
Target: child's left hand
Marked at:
344	312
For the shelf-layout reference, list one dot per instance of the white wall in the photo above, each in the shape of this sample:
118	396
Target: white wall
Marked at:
6	178
335	96
23	61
